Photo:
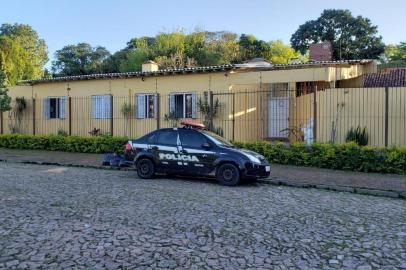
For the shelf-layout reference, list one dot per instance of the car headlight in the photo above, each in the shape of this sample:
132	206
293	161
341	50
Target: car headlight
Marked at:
253	158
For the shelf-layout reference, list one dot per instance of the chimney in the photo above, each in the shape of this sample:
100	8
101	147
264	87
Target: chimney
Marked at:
321	51
150	66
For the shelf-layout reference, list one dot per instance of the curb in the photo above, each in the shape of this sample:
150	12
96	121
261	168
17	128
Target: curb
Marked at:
276	182
357	190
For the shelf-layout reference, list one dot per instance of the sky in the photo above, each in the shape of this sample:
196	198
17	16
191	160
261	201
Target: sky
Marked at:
111	23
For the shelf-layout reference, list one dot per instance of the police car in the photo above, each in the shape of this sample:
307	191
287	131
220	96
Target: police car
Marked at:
192	150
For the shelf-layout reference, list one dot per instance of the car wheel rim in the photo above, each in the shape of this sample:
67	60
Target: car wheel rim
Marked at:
144	168
228	174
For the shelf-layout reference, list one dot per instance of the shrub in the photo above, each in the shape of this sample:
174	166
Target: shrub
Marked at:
62	132
346	156
358	135
100	144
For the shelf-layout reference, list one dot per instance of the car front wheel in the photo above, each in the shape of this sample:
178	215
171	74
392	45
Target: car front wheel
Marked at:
145	168
228	175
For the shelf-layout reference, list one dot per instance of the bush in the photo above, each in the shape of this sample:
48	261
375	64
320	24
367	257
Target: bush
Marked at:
357	135
100	144
62	132
346	156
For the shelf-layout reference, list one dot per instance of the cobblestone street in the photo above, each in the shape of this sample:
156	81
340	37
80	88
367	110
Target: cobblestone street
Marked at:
63	217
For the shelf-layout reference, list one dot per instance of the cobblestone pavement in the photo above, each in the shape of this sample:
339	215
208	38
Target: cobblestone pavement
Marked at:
56	217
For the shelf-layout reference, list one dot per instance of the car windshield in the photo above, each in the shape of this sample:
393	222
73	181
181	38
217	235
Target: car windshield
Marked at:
217	139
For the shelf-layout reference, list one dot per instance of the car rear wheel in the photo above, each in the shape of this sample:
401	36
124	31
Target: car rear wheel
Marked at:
145	168
228	175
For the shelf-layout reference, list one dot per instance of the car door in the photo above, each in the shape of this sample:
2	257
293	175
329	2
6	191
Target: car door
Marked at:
196	157
165	149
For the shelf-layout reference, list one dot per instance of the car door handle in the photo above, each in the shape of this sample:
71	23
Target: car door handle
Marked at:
183	151
155	147
204	156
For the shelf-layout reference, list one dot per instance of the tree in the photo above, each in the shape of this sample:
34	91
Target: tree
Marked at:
251	47
283	54
80	59
15	63
24	53
132	61
352	37
5	100
395	55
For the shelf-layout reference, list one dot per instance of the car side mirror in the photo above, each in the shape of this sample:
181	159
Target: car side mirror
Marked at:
206	145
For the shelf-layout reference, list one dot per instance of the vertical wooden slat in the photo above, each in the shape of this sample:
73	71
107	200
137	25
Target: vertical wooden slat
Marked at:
386	115
315	113
233	113
211	110
70	115
33	116
158	110
111	116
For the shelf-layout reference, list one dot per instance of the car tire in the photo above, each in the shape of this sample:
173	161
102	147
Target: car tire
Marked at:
145	168
228	175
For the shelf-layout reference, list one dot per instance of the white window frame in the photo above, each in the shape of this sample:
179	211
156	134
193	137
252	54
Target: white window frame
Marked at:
145	105
60	110
104	113
193	95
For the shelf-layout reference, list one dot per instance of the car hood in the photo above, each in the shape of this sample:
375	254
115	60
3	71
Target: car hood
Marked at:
245	151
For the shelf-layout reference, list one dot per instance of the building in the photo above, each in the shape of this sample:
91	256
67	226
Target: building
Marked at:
257	99
322	51
389	77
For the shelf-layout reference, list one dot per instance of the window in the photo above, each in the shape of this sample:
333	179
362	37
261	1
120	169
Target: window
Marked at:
101	107
183	105
191	138
55	107
146	105
169	137
217	139
149	138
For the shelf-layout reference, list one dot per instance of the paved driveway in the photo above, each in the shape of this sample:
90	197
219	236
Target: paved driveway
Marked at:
59	217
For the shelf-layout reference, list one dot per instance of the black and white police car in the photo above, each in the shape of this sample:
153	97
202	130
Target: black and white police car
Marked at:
192	150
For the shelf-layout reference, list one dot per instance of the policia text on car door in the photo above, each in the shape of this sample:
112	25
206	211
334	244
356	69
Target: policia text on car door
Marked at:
196	145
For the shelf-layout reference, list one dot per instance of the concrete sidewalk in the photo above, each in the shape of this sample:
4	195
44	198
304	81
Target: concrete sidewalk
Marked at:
366	183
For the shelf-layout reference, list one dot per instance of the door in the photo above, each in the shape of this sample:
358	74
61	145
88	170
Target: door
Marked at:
278	115
196	158
165	149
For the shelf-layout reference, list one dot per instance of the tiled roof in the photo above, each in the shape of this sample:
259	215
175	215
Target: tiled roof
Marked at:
207	69
392	78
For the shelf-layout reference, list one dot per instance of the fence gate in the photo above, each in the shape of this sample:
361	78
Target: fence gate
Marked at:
278	115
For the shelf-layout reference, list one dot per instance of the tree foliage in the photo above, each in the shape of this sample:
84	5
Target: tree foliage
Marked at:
281	53
5	100
200	48
80	59
394	56
352	37
22	52
251	47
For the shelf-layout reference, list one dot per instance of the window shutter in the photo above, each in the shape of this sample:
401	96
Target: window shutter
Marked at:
62	107
140	101
96	108
46	108
194	105
107	107
156	106
171	103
